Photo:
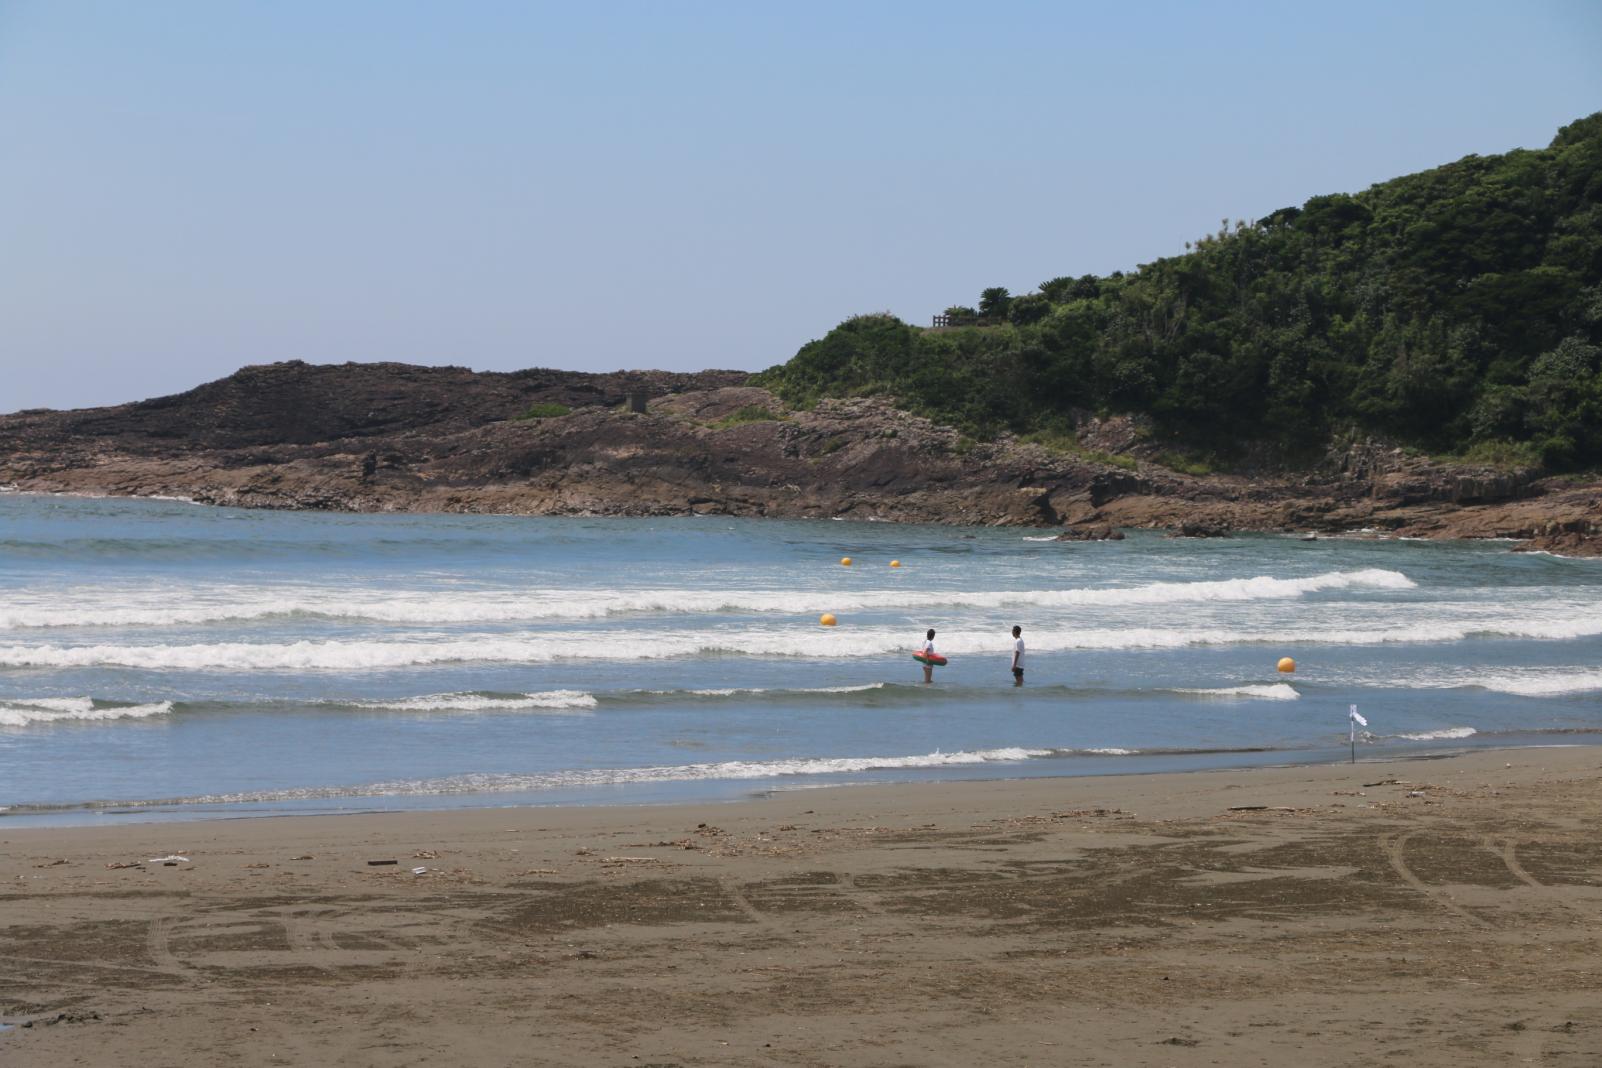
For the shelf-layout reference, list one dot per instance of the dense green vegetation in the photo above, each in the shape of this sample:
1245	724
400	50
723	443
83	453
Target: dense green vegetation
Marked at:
546	410
1458	310
751	413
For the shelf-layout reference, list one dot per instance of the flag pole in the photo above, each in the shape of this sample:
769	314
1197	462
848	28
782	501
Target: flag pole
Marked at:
1353	718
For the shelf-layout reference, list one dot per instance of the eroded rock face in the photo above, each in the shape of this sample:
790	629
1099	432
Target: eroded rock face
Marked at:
1200	528
394	437
382	437
1094	532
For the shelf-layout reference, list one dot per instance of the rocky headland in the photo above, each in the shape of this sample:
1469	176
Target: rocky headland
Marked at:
395	437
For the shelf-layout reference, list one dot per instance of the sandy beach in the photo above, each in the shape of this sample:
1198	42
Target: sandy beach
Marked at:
1428	912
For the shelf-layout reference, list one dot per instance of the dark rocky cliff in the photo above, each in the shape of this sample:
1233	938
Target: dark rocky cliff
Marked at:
395	437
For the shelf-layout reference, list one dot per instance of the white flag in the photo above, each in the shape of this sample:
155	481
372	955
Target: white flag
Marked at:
1356	717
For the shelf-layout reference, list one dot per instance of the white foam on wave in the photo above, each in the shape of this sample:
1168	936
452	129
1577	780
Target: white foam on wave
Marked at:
25	617
59	704
200	606
743	690
1444	734
1549	552
583	777
840	689
768	641
1554	683
1113	751
1588	624
1275	691
1261	587
555	700
1523	682
28	712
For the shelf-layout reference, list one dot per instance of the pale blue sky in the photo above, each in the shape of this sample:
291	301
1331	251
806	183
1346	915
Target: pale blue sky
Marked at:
189	187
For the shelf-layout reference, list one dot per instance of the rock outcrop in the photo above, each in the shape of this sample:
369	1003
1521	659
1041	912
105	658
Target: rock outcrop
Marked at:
1192	528
1093	532
394	437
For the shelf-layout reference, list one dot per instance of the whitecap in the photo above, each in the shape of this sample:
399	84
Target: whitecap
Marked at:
224	604
31	711
1444	734
753	690
773	641
1275	691
1546	683
584	777
561	700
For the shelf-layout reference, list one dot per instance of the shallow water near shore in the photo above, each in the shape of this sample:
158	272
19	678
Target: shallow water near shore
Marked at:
163	660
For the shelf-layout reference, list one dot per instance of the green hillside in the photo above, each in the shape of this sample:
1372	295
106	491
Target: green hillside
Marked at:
1458	310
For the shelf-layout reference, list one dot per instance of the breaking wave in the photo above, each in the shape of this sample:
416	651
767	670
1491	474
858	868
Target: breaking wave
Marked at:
1542	684
1522	682
31	711
1275	691
1444	734
763	642
558	700
513	783
231	605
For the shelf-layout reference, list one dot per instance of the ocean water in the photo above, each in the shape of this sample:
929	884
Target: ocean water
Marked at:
165	660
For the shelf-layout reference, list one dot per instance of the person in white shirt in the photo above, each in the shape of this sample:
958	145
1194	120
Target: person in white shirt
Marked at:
928	650
1017	656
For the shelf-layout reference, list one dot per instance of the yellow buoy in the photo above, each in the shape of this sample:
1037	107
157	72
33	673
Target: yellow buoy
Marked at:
845	561
1287	665
827	619
895	563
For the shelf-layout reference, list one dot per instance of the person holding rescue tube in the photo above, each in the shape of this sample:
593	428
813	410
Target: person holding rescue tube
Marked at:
927	657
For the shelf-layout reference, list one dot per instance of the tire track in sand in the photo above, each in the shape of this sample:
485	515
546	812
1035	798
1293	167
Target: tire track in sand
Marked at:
158	942
1508	851
1394	848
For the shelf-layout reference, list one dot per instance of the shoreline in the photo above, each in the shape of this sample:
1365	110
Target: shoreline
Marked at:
171	812
1267	529
1438	909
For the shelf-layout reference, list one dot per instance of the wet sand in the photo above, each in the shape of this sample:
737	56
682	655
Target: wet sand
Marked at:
1303	916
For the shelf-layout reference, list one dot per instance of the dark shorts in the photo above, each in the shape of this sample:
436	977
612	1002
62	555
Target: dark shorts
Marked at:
1018	672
